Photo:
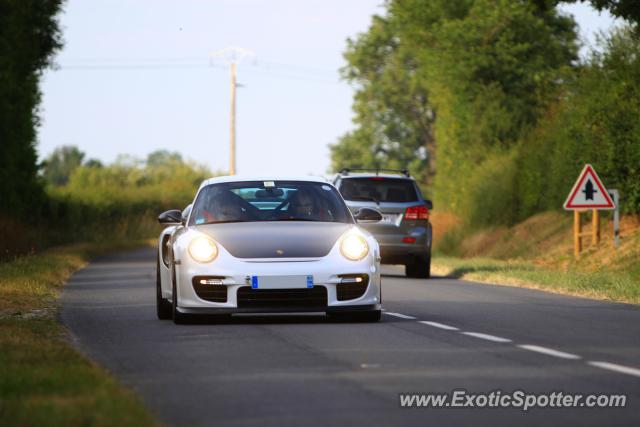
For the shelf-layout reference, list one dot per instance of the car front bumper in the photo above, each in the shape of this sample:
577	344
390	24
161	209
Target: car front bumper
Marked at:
327	310
236	276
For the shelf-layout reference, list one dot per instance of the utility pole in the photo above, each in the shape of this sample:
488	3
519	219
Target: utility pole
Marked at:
232	56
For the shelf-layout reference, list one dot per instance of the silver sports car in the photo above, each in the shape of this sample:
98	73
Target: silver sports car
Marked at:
268	245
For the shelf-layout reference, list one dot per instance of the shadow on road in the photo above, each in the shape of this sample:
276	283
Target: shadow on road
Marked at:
458	272
267	319
402	276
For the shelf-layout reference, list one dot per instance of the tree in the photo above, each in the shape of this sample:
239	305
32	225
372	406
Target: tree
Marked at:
162	158
625	9
461	79
595	122
93	163
59	166
393	113
29	36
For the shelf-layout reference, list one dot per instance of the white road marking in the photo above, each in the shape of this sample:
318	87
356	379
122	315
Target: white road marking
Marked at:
402	316
535	348
439	325
549	351
370	365
486	337
618	368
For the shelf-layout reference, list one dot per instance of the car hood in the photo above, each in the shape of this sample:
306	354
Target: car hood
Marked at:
284	239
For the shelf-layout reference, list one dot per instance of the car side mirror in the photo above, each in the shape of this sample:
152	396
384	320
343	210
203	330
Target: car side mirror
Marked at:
368	215
174	216
429	204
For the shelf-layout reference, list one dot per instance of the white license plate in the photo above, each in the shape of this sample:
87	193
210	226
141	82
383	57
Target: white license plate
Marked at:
389	219
282	282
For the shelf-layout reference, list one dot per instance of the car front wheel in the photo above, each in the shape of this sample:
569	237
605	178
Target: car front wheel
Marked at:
178	318
163	306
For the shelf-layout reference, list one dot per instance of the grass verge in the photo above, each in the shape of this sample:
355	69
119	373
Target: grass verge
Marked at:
618	286
44	381
538	253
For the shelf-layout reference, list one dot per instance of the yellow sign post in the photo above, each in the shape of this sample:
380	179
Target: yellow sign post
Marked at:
578	234
588	193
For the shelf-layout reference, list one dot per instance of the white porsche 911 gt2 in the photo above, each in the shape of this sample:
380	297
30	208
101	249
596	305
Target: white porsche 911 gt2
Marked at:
267	245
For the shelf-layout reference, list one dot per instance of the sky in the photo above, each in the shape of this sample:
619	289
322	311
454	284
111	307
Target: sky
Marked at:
138	76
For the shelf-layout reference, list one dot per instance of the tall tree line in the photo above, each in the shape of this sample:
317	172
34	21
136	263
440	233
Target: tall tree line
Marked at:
29	36
472	95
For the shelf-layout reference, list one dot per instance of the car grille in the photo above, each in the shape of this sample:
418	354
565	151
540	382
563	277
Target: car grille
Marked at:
347	291
315	297
213	293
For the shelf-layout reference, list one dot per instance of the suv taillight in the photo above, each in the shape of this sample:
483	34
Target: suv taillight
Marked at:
417	212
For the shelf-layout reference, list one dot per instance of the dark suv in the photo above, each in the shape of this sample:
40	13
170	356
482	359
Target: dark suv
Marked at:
404	233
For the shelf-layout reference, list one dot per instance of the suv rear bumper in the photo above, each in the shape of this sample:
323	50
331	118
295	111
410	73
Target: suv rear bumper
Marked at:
394	251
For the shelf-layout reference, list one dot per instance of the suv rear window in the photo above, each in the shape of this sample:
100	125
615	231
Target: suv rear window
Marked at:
379	189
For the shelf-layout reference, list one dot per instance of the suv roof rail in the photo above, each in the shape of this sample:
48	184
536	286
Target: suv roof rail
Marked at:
345	171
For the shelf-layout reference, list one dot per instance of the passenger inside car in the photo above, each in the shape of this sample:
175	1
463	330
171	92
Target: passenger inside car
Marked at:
302	205
228	208
221	207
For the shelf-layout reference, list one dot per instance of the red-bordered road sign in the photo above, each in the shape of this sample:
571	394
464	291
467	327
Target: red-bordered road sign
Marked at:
588	192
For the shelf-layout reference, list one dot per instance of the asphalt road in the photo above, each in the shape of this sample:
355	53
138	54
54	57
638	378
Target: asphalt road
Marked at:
305	370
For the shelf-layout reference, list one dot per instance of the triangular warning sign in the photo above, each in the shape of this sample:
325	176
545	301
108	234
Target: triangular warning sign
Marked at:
588	192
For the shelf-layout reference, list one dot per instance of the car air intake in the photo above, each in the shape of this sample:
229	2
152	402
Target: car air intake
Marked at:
315	297
210	288
351	286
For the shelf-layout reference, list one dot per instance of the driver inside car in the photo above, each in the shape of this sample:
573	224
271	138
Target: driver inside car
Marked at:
228	208
224	207
303	206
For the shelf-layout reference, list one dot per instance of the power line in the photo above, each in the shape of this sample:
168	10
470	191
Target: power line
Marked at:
293	71
139	59
132	66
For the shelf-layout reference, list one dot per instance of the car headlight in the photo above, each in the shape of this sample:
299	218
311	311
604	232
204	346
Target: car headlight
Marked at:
203	249
354	247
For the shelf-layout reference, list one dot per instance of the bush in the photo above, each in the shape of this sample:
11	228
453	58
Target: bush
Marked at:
113	203
490	196
494	93
122	200
595	122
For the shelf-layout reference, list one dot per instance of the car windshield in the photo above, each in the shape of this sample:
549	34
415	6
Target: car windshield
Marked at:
253	201
379	189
